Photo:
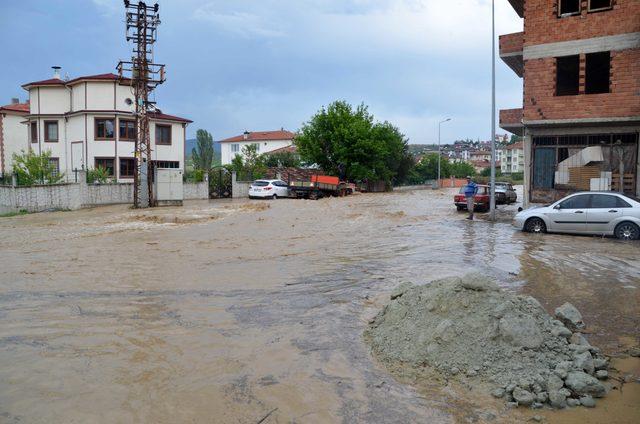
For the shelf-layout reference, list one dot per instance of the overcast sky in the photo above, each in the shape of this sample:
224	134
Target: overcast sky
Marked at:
264	64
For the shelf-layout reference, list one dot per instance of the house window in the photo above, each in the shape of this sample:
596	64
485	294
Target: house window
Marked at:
127	130
568	7
34	132
163	134
127	167
173	164
597	71
567	75
51	131
105	129
597	5
257	146
54	163
235	148
105	163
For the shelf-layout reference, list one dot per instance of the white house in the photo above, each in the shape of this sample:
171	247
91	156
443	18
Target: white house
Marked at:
513	158
88	122
266	141
13	133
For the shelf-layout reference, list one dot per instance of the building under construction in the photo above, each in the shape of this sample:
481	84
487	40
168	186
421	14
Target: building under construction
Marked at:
580	117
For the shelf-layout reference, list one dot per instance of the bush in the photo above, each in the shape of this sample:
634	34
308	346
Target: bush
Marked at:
194	176
33	169
99	175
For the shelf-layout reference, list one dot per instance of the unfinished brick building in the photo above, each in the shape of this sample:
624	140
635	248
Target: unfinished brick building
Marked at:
580	117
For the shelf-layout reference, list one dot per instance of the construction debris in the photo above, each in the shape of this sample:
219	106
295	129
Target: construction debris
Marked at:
469	329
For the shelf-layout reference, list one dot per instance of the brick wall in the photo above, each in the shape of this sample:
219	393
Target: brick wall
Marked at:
511	43
510	116
542	24
540	101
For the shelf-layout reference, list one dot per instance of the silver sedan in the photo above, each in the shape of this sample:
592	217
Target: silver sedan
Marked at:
599	213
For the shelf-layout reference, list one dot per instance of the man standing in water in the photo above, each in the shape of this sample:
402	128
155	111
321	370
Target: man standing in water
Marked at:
470	190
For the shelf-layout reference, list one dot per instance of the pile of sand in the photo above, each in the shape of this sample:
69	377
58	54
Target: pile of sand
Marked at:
468	328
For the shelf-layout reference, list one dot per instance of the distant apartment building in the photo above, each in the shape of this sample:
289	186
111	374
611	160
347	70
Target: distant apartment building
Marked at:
580	116
480	155
88	122
512	158
265	141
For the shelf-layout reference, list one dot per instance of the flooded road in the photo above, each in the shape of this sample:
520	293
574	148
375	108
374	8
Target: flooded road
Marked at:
253	311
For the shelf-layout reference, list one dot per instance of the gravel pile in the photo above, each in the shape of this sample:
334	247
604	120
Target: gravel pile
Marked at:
469	328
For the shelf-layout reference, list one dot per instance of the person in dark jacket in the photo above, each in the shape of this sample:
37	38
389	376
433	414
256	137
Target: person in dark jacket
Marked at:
470	190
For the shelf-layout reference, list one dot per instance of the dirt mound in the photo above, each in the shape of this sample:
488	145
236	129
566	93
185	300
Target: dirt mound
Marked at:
468	328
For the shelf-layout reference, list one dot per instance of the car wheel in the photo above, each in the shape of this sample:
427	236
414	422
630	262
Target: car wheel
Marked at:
535	225
459	208
274	197
627	231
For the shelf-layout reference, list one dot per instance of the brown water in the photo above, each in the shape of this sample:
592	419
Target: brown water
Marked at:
238	311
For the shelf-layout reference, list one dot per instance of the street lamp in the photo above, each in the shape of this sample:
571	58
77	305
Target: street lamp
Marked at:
492	203
439	154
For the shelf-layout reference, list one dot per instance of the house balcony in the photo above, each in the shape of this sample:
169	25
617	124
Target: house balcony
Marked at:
511	51
518	6
511	120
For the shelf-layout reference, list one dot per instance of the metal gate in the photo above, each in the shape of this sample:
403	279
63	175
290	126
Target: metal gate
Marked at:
220	186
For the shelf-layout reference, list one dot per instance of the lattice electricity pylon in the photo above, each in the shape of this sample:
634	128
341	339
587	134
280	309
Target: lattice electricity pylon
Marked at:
144	76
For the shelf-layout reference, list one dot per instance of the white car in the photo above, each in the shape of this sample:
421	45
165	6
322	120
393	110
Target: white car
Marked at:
599	213
268	188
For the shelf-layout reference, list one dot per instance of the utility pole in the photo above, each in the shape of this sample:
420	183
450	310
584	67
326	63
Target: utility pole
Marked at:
143	75
439	153
493	111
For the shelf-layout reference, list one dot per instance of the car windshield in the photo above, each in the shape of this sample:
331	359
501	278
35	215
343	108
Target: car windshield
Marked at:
260	183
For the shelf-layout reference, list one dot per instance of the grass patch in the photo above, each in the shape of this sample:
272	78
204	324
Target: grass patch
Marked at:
10	214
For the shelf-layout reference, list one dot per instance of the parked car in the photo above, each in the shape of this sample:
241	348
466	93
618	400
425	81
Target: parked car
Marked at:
268	188
505	194
481	200
599	213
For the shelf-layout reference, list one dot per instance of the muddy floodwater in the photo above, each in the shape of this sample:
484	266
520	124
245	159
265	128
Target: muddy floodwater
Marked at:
254	311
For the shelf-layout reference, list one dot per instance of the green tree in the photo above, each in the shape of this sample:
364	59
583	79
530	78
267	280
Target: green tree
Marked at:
32	168
249	165
462	169
202	155
346	142
514	139
281	159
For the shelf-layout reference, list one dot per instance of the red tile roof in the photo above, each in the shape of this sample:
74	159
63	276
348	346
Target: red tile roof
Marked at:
16	107
262	136
58	81
164	116
518	145
292	149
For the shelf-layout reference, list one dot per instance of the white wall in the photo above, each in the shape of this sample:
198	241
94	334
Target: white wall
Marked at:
14	135
265	146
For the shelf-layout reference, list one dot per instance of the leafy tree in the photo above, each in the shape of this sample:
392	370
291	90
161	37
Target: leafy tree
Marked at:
202	156
281	159
346	142
32	168
249	165
514	139
487	172
462	169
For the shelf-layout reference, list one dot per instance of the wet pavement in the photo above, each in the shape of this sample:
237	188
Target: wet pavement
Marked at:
253	311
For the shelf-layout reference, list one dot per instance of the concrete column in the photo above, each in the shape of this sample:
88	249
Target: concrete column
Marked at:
528	154
14	180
